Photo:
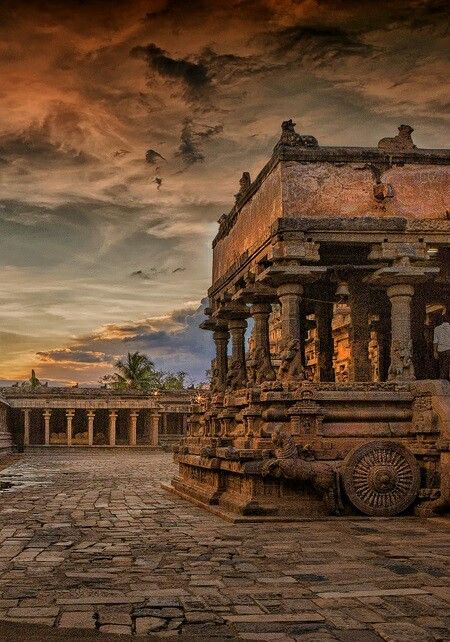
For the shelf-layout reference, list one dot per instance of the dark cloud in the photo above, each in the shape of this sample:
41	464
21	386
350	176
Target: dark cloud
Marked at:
316	42
227	69
57	138
151	156
74	355
194	76
192	139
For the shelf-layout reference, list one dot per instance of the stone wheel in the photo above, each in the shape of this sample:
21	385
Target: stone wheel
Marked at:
381	478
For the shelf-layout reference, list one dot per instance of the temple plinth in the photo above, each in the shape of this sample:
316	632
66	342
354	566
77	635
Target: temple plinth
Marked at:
329	274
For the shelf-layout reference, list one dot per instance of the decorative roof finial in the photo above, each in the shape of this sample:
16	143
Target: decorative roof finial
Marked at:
244	183
290	138
400	143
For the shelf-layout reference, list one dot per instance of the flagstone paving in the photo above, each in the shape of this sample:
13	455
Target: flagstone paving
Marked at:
89	539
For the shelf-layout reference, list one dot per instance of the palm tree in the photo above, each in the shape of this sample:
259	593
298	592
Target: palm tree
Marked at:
137	372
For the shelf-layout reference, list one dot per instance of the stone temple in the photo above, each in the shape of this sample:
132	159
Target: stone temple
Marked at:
336	259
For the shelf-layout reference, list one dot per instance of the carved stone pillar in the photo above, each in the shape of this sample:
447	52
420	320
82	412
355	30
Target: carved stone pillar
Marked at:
401	367
154	429
359	367
112	427
399	280
26	426
290	296
260	313
237	330
90	422
47	414
221	338
291	369
324	318
69	417
132	428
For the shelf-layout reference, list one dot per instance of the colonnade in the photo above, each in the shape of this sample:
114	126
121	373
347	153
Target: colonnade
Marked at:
133	415
229	321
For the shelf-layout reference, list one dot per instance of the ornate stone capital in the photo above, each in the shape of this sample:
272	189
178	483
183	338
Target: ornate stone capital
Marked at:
290	289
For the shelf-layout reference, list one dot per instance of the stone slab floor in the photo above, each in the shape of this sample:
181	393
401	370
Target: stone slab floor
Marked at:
89	539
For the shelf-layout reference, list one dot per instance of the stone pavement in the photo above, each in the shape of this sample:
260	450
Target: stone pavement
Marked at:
89	539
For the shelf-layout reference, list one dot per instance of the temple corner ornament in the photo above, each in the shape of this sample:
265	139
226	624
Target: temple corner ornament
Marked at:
290	138
400	143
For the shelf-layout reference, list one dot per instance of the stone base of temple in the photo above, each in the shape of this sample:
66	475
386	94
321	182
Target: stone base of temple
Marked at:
377	449
262	500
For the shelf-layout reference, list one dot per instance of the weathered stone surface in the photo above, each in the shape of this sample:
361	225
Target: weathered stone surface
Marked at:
317	576
403	632
77	619
149	625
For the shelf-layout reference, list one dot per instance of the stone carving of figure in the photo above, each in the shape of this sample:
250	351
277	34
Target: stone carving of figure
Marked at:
288	464
261	369
244	183
401	367
290	138
236	377
216	386
291	367
400	143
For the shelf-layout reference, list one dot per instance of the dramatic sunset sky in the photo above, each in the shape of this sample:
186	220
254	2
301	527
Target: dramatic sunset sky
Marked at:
124	129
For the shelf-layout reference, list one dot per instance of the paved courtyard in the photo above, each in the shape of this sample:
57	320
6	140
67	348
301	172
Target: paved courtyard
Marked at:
89	539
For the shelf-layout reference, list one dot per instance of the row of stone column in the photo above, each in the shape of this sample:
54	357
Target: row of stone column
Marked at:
90	414
233	324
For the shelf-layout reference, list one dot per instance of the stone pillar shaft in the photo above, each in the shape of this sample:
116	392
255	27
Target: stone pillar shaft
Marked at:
132	428
360	369
401	367
47	414
112	427
237	330
260	313
26	426
324	318
90	419
290	297
69	416
221	338
154	429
